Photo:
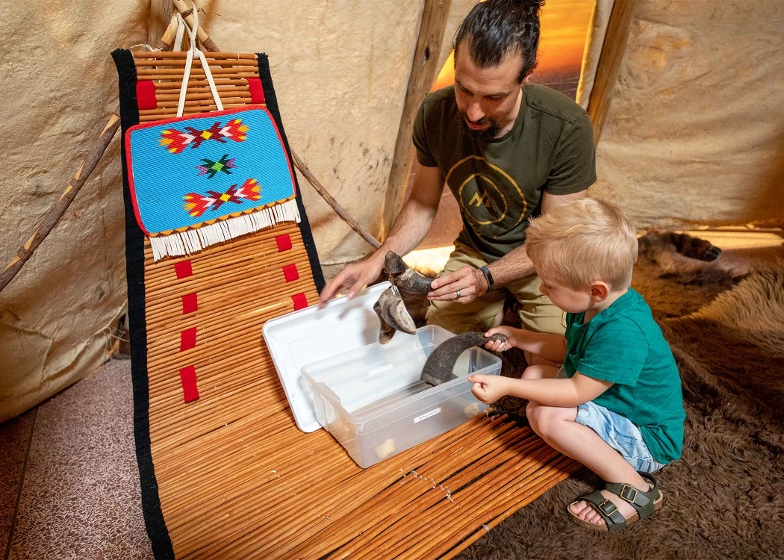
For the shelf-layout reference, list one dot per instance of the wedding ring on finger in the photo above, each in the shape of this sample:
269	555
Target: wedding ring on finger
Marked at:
457	294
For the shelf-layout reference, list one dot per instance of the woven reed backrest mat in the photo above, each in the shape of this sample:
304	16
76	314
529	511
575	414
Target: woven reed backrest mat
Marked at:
229	475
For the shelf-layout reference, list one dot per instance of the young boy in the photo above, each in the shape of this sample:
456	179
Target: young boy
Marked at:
615	404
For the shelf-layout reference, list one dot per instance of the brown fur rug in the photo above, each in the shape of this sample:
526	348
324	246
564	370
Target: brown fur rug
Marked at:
725	497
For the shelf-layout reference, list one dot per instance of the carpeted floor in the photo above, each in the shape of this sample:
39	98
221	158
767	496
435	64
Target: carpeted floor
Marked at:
725	497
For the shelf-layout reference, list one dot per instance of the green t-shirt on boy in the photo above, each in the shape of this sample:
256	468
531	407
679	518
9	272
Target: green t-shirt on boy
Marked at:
624	345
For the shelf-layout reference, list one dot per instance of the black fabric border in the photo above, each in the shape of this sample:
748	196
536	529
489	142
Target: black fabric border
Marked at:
134	258
304	225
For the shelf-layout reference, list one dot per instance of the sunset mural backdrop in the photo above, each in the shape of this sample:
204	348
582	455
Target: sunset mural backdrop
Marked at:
564	26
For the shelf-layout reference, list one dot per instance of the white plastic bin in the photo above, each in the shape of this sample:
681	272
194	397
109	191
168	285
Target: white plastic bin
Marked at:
372	400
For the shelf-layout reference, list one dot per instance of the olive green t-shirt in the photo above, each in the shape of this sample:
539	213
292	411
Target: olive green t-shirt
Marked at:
625	346
499	184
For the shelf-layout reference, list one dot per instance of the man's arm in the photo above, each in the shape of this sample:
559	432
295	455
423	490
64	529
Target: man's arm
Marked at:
512	266
411	226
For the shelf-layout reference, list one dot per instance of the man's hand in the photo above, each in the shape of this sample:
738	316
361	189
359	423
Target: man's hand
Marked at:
511	341
353	278
489	388
468	280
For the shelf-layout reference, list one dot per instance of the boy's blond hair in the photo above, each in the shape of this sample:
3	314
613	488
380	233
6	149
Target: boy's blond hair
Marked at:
582	242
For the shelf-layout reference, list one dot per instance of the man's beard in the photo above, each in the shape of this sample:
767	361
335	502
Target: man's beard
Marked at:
484	135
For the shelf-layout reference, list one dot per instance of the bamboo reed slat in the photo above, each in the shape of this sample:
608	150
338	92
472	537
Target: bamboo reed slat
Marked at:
256	546
373	512
370	475
140	56
442	452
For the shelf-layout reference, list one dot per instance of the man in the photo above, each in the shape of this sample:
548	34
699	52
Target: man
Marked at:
508	151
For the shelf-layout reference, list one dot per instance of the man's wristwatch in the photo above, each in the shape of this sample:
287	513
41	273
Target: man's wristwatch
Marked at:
488	277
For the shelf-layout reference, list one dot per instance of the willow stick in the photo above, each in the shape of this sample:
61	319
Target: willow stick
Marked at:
180	62
214	371
350	504
234	485
213	266
409	510
243	427
187	13
140	56
439	493
359	516
272	264
205	448
167	40
241	248
241	297
217	409
329	199
289	468
212	413
388	479
264	455
54	213
401	537
434	540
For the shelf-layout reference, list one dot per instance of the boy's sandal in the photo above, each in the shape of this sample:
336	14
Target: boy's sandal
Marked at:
644	502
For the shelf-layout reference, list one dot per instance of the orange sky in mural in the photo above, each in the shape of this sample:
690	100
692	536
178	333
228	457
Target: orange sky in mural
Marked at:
564	25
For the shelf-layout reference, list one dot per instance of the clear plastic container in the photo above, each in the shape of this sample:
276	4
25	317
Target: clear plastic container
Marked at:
372	400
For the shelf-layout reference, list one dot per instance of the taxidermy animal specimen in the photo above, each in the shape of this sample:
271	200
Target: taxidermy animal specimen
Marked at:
390	308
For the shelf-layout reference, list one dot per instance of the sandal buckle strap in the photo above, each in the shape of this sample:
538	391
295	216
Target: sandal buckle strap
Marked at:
628	493
607	507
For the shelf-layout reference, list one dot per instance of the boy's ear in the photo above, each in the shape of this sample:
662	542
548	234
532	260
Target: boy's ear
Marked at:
599	291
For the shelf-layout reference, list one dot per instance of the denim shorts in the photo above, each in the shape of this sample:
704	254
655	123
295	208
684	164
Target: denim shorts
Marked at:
620	433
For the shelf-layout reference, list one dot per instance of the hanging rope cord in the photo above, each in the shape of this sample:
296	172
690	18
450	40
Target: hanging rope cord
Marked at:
194	50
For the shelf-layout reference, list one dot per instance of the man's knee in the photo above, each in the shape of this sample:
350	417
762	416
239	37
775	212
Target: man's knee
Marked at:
459	318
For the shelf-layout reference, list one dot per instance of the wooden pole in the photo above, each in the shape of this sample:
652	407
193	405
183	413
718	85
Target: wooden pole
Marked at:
207	43
424	69
610	60
55	212
160	20
332	202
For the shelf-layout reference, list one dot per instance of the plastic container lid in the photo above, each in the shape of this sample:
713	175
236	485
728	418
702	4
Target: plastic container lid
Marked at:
311	335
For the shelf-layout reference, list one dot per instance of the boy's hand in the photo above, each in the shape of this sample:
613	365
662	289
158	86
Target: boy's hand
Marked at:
489	388
497	345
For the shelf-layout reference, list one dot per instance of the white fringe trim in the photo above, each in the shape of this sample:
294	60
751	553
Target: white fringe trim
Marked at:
194	240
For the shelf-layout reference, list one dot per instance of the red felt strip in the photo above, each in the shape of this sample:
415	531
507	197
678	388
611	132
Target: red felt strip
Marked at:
290	272
187	339
183	269
300	301
190	303
284	242
190	391
145	94
256	90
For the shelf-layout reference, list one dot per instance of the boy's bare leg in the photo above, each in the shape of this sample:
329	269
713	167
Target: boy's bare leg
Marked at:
540	372
558	428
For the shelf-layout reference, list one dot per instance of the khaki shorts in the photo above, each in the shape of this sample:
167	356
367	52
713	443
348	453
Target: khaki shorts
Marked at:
537	312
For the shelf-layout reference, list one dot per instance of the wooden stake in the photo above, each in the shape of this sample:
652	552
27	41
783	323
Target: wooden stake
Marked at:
424	69
332	202
609	64
58	209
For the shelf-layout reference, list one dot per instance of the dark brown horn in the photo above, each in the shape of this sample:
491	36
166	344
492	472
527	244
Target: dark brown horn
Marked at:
439	365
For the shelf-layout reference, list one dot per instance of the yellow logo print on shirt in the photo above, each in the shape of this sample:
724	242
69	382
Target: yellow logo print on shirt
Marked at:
479	200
